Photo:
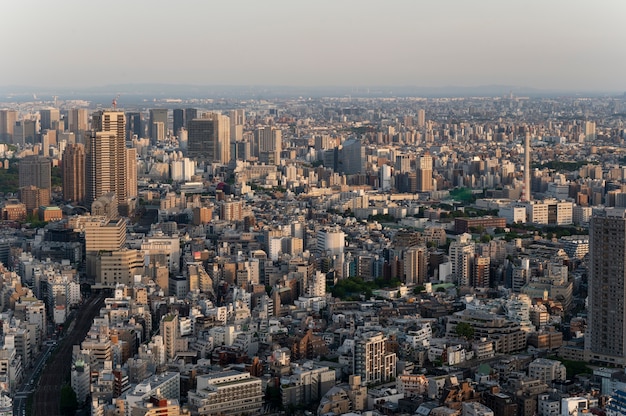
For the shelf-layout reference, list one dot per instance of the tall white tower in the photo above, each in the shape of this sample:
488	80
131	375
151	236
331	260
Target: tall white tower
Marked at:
526	196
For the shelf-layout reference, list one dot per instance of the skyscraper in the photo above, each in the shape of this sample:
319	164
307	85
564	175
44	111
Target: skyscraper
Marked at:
209	138
190	114
179	120
78	122
352	157
134	125
425	173
7	125
157	115
50	118
606	332
74	173
131	172
36	171
106	157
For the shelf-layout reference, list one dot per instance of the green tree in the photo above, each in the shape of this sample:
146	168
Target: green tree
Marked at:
465	330
69	403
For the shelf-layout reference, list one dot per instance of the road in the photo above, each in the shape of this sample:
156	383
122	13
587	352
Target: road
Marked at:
47	396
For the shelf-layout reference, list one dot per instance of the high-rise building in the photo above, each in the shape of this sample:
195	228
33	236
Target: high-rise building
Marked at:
34	197
352	157
134	125
106	157
425	173
526	186
7	125
50	119
415	265
157	115
372	361
421	117
178	120
35	170
73	168
606	333
461	253
131	172
209	138
269	143
190	114
25	131
237	121
78	123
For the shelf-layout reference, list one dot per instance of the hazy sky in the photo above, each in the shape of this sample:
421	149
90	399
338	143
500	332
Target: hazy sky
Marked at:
548	44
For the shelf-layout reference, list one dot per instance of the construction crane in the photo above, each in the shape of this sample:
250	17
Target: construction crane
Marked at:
114	102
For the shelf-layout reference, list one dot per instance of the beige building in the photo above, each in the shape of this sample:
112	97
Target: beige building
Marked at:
106	157
226	393
119	266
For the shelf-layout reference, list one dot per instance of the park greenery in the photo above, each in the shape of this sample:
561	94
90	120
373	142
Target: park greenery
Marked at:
353	288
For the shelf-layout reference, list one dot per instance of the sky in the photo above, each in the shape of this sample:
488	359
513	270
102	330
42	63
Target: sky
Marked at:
544	44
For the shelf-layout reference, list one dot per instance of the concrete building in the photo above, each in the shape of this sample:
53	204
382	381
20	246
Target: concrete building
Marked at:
208	138
425	173
73	168
106	157
372	362
547	370
226	393
606	333
35	171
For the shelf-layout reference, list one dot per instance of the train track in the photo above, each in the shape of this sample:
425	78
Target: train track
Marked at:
47	396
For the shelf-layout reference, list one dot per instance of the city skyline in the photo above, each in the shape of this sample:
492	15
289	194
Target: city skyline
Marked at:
555	45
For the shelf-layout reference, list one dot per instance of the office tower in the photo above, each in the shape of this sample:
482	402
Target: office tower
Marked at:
157	115
78	123
190	114
50	119
269	142
237	121
526	186
403	164
352	157
425	173
106	157
8	118
371	360
73	168
179	120
590	131
131	172
102	234
35	170
134	125
421	117
606	331
208	138
25	131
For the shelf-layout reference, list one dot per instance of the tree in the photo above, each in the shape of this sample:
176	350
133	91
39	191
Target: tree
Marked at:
465	330
69	403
